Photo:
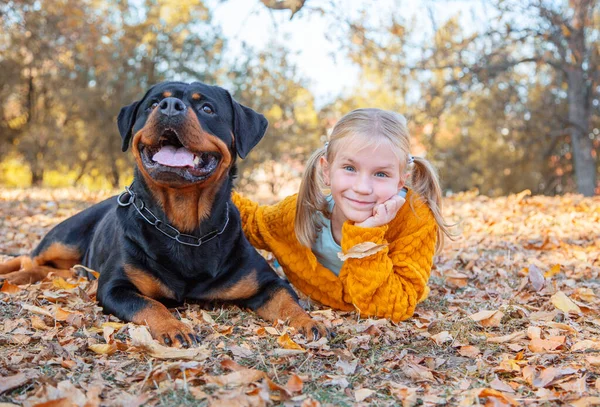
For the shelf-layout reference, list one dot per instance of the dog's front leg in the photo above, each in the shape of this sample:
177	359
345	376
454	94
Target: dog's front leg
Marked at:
280	302
125	301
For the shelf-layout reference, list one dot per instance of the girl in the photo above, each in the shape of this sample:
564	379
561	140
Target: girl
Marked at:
388	247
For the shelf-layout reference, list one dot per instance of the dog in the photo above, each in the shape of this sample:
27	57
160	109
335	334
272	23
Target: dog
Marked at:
174	234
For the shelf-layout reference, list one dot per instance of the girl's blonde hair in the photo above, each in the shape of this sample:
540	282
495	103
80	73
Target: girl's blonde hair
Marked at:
377	126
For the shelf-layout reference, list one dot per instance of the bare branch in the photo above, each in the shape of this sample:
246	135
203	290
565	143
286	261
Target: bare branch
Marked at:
293	5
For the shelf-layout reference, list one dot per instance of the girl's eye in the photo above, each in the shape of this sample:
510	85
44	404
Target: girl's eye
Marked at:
381	174
349	168
207	109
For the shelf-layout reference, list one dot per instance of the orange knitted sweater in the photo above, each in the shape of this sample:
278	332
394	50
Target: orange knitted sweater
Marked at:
387	284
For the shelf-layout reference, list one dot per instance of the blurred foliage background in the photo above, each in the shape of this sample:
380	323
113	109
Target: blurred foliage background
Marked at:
509	106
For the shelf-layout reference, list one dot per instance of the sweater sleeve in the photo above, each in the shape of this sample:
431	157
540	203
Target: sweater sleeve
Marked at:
391	282
260	222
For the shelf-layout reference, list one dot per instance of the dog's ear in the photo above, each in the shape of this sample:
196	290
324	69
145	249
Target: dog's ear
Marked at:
249	127
125	122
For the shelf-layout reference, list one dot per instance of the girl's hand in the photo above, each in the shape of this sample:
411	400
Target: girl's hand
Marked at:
383	213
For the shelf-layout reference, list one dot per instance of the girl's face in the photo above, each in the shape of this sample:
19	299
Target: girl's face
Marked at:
361	178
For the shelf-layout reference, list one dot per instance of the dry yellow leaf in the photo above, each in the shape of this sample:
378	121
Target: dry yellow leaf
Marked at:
38	323
553	271
62	284
361	250
287	343
61	314
104	348
115	325
561	301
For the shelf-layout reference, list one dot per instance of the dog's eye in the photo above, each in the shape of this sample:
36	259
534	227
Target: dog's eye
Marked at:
207	109
152	106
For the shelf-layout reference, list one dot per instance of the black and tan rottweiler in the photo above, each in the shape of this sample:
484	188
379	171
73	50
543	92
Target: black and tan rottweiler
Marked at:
174	234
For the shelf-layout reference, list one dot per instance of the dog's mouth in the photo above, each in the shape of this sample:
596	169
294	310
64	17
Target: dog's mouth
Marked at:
171	157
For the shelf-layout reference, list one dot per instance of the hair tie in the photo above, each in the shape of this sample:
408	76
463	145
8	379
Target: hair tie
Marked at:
326	145
411	159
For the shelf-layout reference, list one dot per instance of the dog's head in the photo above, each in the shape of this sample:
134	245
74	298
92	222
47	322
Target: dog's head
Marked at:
185	134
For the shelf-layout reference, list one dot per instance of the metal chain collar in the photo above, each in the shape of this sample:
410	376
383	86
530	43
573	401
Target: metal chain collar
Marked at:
165	228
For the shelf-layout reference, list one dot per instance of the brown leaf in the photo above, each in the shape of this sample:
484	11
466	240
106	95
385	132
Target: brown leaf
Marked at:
38	323
497	394
362	394
237	378
141	338
442	337
586	402
550	375
294	384
61	314
37	310
585	344
346	367
469	351
499	385
9	288
539	345
456	279
12	382
506	338
488	318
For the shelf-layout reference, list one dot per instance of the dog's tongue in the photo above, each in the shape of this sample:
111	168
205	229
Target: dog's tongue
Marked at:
174	157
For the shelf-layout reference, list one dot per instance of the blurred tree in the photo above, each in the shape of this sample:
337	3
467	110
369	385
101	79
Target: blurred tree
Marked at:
537	50
269	83
72	64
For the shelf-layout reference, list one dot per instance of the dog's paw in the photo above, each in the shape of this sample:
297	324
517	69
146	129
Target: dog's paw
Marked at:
311	329
174	333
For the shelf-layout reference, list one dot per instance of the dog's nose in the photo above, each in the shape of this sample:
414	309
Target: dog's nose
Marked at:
172	107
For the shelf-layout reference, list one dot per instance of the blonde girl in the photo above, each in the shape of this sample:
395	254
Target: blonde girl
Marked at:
351	206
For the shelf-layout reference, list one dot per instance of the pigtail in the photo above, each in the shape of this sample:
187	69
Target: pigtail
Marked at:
425	182
311	201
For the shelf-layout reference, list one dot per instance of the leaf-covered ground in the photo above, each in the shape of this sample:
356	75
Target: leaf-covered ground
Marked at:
512	319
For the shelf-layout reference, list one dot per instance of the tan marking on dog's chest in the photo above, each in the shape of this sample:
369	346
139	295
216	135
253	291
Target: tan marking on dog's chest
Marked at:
148	285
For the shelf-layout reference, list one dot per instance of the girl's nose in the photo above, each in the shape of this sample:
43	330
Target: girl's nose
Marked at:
362	185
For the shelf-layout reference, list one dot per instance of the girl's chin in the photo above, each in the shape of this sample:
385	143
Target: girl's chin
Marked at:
358	217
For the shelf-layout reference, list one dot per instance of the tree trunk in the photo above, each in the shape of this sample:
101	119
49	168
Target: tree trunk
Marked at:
585	167
578	99
37	177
